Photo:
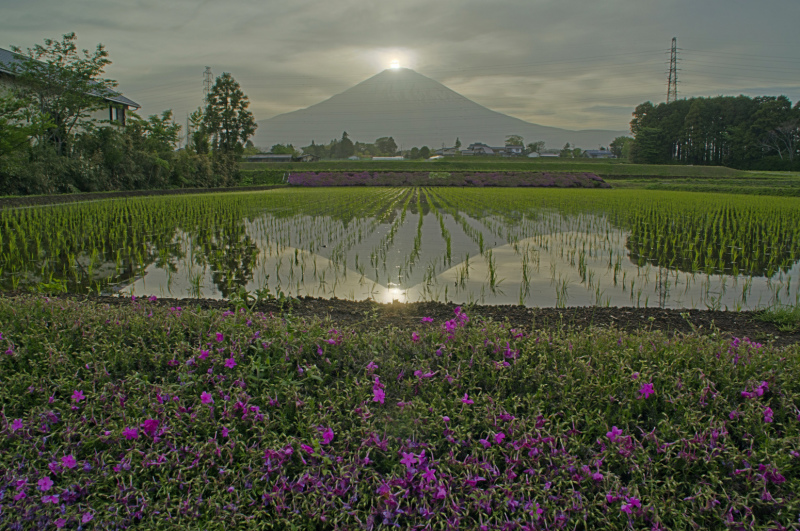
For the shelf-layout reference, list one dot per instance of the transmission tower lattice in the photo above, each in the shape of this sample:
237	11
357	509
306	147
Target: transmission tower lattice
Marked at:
672	83
208	81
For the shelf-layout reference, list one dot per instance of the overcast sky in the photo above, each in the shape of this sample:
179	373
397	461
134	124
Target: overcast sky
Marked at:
564	63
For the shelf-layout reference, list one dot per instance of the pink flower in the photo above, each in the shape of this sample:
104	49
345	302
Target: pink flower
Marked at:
87	517
498	438
50	499
426	320
327	436
206	398
68	461
768	414
230	363
77	395
130	433
307	449
378	394
485	443
204	354
60	523
220	337
45	484
150	426
614	433
153	298
408	459
372	366
597	476
466	400
414	337
647	390
429	475
446	418
16	424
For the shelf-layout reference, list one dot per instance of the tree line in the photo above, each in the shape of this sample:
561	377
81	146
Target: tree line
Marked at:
740	132
49	142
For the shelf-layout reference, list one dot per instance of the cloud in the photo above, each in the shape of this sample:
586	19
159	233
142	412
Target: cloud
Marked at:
564	63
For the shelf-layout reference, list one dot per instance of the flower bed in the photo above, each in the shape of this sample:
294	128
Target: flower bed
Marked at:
154	417
440	178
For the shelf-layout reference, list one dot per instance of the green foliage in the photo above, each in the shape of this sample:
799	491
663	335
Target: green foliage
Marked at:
786	318
741	132
226	118
621	147
514	140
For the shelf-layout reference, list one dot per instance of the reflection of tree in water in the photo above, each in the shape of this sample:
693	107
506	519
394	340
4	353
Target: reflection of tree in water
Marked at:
718	242
230	252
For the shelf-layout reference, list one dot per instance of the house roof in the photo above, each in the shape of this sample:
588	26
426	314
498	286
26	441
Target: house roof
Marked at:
8	58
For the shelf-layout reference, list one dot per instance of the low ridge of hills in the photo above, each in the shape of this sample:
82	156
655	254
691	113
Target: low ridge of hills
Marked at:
416	111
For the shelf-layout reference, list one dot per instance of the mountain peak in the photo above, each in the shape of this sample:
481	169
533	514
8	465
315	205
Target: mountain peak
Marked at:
416	110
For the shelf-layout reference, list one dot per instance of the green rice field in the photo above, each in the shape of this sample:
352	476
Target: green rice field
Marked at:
534	247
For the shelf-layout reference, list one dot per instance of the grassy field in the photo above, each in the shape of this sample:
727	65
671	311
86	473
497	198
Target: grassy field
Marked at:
158	417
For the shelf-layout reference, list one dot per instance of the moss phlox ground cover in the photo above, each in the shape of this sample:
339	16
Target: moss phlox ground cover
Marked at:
154	417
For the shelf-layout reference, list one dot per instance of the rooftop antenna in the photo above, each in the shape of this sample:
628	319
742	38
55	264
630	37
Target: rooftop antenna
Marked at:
208	81
672	82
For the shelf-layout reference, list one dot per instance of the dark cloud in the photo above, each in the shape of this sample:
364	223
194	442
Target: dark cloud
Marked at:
565	63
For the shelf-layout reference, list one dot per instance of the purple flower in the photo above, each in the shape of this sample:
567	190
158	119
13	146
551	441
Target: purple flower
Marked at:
50	499
150	426
408	460
466	400
614	433
87	517
597	476
485	443
204	354
429	475
378	394
68	461
446	418
768	414
414	337
130	433
327	436
77	395
60	523
16	424
307	449
647	390
220	337
498	438
45	484
372	366
426	320
230	363
206	398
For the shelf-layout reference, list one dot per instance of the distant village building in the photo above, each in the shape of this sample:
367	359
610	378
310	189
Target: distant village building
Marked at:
117	103
270	157
388	158
481	149
598	154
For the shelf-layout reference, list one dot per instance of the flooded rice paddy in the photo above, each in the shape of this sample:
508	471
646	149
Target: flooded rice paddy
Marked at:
534	247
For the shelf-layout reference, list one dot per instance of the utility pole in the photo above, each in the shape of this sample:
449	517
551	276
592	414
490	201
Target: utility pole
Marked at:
188	131
208	82
672	82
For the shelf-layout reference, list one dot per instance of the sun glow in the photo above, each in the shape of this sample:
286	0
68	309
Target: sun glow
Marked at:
395	64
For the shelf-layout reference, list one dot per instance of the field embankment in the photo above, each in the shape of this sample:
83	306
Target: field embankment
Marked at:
124	415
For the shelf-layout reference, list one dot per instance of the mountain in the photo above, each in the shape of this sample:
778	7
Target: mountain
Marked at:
416	111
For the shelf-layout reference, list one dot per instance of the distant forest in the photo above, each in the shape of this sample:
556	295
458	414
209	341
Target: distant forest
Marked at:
760	133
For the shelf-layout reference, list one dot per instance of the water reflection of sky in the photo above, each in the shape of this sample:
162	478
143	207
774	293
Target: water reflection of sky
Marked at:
390	259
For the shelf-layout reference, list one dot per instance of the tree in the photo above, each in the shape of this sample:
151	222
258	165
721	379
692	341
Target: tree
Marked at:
576	153
199	141
514	140
536	147
280	149
16	127
344	148
566	151
458	144
621	147
226	117
386	146
424	152
414	153
63	86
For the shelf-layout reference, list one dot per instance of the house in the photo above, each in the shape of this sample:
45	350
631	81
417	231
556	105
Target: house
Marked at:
480	148
598	154
117	104
388	158
446	152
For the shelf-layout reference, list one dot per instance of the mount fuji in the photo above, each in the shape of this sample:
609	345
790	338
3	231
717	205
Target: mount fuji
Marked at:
416	111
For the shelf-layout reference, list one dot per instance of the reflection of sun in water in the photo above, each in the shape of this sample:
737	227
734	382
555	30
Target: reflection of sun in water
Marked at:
395	64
